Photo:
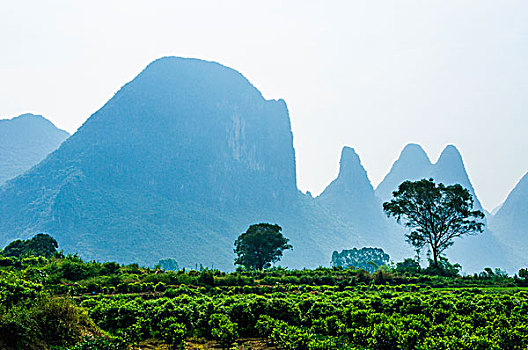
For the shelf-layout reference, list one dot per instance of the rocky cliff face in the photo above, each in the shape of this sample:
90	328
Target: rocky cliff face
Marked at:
178	163
25	141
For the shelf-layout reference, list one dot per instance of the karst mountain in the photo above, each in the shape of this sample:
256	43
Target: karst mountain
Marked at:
178	163
414	164
24	142
186	156
472	252
351	197
511	221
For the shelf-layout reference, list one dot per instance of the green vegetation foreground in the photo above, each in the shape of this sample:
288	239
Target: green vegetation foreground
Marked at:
64	303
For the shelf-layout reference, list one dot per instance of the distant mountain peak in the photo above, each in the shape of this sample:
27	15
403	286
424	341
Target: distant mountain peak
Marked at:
510	221
35	121
412	164
412	157
517	196
351	197
352	177
450	168
413	152
450	155
26	140
352	173
30	115
349	163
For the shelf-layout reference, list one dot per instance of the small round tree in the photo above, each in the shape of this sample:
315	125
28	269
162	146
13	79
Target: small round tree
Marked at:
173	333
223	330
261	245
435	214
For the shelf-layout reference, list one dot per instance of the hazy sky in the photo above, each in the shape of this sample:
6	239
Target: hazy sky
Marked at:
374	75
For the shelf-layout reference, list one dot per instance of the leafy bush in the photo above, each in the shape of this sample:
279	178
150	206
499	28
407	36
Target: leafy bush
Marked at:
338	309
173	333
223	330
96	343
444	268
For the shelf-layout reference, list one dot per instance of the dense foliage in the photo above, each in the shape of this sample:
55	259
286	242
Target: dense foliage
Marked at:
41	244
169	264
369	259
260	246
64	302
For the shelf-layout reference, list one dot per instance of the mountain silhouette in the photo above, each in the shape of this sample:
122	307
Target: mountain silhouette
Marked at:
186	156
450	169
511	221
412	164
473	253
26	140
178	163
351	197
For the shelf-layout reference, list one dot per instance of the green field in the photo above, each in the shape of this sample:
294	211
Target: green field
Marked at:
65	303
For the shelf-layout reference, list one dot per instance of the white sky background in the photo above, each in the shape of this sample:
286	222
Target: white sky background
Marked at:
374	75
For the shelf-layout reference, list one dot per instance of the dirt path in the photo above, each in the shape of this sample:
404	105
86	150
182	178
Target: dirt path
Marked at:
203	344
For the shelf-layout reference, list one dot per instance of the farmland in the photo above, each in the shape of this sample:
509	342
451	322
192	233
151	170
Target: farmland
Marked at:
66	303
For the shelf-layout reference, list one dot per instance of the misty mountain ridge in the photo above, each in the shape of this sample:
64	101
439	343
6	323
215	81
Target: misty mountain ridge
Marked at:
352	197
186	156
414	164
178	163
25	141
511	220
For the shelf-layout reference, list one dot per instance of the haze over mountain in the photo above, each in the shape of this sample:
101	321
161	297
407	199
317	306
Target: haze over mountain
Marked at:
414	164
186	156
24	141
511	221
351	197
450	169
473	253
177	164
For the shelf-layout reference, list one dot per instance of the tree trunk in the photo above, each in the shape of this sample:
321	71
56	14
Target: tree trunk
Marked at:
435	257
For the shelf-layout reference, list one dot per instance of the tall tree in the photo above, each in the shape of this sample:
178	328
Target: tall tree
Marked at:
261	245
435	214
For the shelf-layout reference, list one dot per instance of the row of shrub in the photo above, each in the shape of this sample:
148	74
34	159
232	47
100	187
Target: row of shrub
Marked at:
123	305
384	318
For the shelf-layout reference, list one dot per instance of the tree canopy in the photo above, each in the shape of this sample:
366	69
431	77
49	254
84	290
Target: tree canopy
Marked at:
40	245
261	245
435	214
169	264
368	259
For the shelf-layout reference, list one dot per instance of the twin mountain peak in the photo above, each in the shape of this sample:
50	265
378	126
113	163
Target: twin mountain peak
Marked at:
412	164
